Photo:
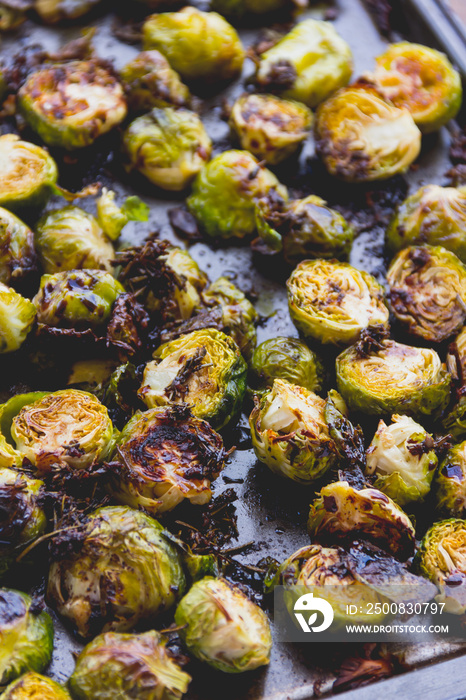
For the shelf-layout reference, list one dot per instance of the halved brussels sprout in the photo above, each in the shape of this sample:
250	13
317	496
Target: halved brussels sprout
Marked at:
204	369
290	434
403	459
393	378
226	192
221	626
128	665
168	146
26	636
361	137
33	686
198	45
17	315
333	302
67	428
456	358
238	8
308	64
126	569
341	511
52	11
454	422
17	256
421	80
71	239
285	358
150	82
428	291
71	104
269	127
76	298
450	482
29	174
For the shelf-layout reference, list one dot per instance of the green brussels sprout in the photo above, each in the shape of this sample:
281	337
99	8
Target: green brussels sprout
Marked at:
17	316
403	459
450	483
29	174
200	46
126	569
285	358
222	627
361	137
26	636
76	298
53	11
308	64
168	146
422	80
226	191
342	511
127	665
112	218
9	410
33	686
454	422
333	302
67	428
290	434
150	82
238	8
71	104
71	239
268	127
17	256
428	291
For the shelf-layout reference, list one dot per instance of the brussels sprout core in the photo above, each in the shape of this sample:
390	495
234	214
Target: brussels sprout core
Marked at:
33	686
29	174
17	316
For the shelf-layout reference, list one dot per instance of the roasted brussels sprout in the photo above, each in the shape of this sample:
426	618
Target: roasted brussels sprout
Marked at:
127	665
12	14
341	511
361	137
200	46
150	82
17	256
450	483
29	174
26	636
33	686
333	302
17	316
403	459
168	146
428	291
239	8
113	218
308	64
285	358
422	80
222	627
125	569
71	104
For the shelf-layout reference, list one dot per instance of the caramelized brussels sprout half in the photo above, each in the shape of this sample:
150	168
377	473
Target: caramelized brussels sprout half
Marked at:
17	316
285	358
29	174
333	302
26	636
238	8
53	11
402	458
168	146
150	82
308	64
290	434
226	191
127	665
361	137
204	369
422	80
71	104
17	255
450	483
341	511
223	628
33	686
428	291
126	569
200	46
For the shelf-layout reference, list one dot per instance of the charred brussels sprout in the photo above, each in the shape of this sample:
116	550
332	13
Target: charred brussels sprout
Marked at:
450	482
333	302
53	11
403	459
222	627
422	80
308	64
226	191
151	82
341	511
285	358
126	569
71	239
71	104
169	147
17	256
428	292
26	636
29	174
200	46
204	369
17	316
33	686
361	137
269	127
127	665
290	434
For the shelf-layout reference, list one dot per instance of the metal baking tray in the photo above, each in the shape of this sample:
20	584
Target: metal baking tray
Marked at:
271	513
